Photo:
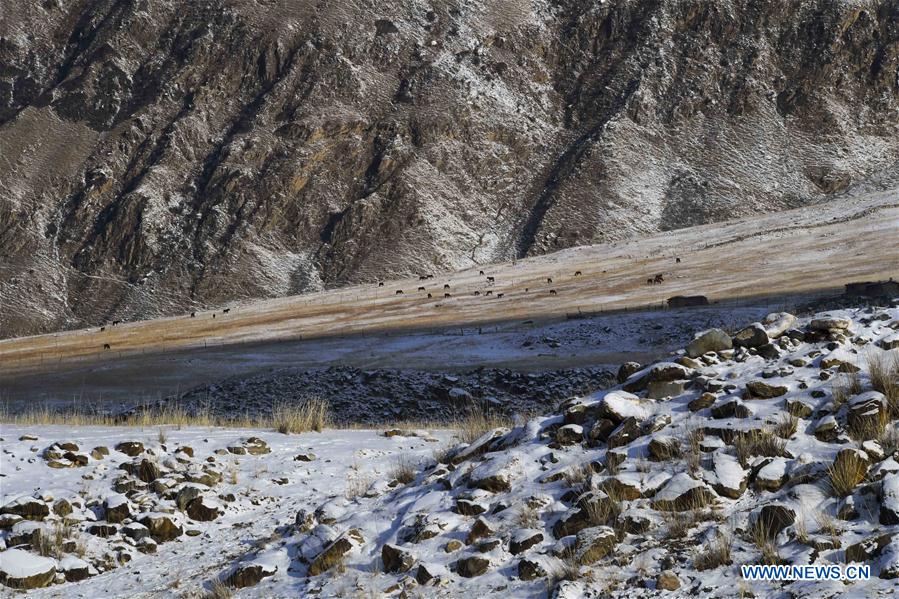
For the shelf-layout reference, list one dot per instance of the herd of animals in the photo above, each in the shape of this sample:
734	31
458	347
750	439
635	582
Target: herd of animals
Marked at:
490	281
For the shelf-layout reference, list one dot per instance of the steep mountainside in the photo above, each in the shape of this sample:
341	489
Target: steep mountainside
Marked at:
158	155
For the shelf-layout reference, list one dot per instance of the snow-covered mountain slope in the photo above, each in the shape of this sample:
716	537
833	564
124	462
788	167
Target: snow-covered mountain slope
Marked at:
774	445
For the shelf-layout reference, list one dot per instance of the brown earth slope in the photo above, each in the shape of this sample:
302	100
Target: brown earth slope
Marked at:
165	155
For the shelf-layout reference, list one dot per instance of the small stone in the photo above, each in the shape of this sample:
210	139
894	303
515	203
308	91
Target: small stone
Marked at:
667	580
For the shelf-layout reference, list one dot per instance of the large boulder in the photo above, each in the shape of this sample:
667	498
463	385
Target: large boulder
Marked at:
778	323
162	527
763	390
29	508
472	566
594	543
730	479
395	559
752	336
333	554
23	570
773	518
117	508
713	340
830	324
130	448
682	493
619	405
248	574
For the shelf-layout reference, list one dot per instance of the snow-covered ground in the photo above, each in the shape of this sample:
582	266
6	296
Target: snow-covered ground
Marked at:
620	492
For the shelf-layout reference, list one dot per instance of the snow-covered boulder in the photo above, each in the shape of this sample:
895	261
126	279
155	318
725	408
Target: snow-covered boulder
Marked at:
24	570
713	340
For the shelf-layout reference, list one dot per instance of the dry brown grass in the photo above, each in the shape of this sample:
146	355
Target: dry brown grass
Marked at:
762	443
311	415
715	553
883	368
219	590
527	517
786	426
844	386
403	469
51	540
478	422
844	475
692	452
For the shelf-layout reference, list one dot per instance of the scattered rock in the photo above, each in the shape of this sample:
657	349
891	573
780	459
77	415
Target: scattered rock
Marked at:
396	560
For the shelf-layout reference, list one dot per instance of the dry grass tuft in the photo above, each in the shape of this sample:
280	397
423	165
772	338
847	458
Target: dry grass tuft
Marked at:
763	443
528	517
480	421
312	415
403	469
692	452
219	590
845	474
844	386
716	553
883	368
50	541
786	426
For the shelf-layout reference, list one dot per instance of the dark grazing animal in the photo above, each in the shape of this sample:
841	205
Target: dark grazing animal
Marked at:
115	322
446	286
658	279
102	329
552	292
399	292
490	279
193	314
477	293
380	284
481	272
500	294
226	310
488	292
422	277
577	273
421	288
447	295
549	279
677	260
106	346
429	296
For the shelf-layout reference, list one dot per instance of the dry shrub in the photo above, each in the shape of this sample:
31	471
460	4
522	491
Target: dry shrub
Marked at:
844	386
604	512
865	428
763	539
763	443
692	451
50	541
528	517
579	477
716	552
828	524
883	368
403	469
786	426
480	421
312	415
845	474
219	590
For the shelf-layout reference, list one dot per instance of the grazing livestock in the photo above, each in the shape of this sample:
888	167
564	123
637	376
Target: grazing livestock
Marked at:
525	289
677	260
193	314
115	322
577	273
649	281
380	284
399	292
481	272
447	295
549	279
498	295
491	280
106	346
446	286
552	292
213	314
658	279
488	292
421	288
102	329
477	293
422	277
226	310
429	296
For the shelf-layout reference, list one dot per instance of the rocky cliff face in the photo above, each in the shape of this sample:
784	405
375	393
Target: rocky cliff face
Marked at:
157	155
